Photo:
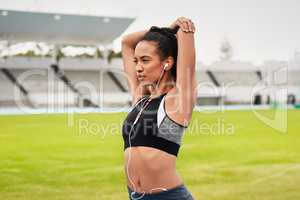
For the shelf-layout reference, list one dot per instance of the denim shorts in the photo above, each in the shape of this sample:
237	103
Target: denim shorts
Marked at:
177	193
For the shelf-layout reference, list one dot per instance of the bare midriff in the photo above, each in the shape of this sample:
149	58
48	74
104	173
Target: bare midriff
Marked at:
150	170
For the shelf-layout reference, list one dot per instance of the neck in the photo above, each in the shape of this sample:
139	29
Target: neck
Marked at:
166	84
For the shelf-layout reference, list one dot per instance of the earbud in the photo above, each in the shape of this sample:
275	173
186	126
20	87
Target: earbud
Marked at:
161	75
166	65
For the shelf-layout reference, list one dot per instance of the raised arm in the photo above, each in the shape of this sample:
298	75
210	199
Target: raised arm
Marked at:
186	80
128	45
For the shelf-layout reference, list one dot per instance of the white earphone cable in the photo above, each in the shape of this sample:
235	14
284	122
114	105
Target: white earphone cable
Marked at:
129	154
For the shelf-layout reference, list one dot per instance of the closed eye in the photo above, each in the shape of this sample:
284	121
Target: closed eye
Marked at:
135	61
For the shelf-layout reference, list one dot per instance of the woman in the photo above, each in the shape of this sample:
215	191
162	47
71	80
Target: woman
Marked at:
160	68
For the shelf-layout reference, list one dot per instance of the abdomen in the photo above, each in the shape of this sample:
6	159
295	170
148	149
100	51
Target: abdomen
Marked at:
147	168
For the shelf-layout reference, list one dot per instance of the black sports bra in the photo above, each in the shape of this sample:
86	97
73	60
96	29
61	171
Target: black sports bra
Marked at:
154	128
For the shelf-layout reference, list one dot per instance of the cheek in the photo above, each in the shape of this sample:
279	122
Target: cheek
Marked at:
152	68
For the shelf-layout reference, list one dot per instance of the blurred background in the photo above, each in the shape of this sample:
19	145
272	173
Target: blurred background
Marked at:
71	53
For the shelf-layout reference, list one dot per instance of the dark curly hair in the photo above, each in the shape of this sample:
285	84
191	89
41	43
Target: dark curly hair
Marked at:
166	41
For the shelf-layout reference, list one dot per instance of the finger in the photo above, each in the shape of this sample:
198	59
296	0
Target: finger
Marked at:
191	25
188	24
185	26
178	22
181	24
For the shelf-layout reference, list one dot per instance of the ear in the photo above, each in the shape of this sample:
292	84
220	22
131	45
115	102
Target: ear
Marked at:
168	61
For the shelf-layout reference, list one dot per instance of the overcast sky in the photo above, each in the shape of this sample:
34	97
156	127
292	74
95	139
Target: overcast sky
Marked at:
257	29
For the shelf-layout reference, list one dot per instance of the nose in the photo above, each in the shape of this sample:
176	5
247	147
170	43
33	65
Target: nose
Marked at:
139	68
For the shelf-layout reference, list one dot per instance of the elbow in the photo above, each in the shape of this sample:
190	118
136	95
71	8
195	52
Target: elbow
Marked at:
124	41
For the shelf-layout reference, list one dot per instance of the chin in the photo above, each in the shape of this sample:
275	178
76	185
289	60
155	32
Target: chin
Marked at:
146	83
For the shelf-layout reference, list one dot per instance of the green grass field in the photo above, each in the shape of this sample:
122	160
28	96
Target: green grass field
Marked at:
44	157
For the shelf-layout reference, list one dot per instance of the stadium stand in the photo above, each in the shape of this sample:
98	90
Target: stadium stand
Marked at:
101	82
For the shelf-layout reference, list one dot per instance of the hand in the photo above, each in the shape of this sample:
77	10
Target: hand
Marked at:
185	24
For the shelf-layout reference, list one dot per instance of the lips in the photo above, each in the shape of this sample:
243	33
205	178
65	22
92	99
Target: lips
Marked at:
140	77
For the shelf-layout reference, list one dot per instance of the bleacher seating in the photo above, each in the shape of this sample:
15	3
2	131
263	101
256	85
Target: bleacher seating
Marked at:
237	78
106	85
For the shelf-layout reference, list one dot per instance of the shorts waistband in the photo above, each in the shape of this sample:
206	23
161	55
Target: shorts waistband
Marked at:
174	189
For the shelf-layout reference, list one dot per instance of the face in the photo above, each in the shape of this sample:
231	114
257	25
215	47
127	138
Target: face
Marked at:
148	62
